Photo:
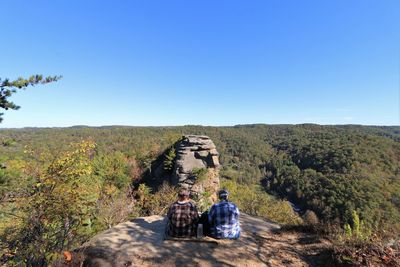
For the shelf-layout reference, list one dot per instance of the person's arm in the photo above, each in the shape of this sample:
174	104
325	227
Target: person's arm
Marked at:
211	215
236	212
194	213
169	214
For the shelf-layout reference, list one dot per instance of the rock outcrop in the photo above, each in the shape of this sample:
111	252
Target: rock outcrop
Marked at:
197	167
140	242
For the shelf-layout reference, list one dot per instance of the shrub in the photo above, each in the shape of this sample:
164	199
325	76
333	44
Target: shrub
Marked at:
63	200
157	203
8	142
200	174
357	229
310	218
112	169
169	160
114	208
254	201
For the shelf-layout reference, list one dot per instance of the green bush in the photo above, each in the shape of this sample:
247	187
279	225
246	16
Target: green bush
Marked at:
254	201
169	160
52	219
157	203
112	168
200	174
357	229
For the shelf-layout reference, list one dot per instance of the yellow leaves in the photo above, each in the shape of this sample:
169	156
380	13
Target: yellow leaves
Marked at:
28	150
66	186
16	165
64	194
73	163
110	189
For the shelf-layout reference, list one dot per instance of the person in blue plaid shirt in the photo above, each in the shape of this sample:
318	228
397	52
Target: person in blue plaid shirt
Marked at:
223	218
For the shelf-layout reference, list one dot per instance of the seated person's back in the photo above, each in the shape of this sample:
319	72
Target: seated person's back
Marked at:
224	218
182	216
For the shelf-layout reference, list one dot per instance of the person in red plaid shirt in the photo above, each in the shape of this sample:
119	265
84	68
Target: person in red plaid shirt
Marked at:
182	216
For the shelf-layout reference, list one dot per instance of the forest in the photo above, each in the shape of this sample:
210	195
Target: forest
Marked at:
60	186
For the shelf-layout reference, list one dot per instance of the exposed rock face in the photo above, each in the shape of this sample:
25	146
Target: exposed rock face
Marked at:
140	242
197	167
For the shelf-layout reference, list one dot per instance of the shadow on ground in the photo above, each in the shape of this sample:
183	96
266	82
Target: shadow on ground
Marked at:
140	242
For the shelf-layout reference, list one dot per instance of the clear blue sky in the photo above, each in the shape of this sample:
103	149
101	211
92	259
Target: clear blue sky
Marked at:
203	62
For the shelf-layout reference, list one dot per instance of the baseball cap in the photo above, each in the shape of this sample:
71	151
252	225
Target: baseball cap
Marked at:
223	193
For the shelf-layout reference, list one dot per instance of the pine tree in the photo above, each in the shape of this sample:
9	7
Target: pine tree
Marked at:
7	88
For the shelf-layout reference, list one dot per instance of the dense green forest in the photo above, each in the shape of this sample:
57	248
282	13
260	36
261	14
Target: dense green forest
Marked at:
59	186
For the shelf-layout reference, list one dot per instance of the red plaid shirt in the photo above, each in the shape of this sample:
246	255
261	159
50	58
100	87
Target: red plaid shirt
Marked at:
183	217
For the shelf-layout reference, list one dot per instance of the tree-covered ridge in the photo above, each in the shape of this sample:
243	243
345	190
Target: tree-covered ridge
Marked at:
338	173
330	169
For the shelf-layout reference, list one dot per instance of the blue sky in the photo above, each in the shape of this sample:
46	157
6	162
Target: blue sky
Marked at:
203	62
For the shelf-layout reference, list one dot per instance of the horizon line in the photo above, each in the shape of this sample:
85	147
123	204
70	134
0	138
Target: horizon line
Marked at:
195	125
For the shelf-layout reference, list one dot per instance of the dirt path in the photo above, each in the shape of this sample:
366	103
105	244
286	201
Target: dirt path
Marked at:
140	242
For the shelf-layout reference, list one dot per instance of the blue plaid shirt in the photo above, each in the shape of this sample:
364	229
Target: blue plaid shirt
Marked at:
224	220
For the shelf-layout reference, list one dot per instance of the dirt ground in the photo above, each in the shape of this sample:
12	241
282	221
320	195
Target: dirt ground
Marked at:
140	242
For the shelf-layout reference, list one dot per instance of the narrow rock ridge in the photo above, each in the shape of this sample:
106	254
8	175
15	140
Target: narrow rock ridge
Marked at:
197	167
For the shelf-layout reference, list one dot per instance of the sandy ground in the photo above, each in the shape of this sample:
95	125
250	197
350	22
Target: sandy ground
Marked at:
140	242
